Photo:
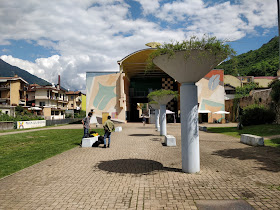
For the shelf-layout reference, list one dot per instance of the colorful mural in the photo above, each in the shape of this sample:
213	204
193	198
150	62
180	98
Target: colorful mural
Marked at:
103	95
211	94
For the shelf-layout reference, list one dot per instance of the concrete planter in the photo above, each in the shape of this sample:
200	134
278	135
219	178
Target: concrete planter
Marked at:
188	69
163	100
156	107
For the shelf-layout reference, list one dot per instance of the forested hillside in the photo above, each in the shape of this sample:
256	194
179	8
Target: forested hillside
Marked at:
7	70
261	62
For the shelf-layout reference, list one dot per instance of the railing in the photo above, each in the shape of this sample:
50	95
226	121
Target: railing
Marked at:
139	93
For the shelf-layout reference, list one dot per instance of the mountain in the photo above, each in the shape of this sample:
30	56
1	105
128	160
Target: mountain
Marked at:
7	70
261	62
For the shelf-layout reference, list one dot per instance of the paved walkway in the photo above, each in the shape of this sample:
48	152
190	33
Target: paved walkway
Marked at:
137	172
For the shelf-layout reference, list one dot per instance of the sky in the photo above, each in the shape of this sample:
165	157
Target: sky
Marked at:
72	37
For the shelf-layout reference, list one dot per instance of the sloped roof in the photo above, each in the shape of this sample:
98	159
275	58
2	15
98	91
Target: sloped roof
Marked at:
14	78
73	92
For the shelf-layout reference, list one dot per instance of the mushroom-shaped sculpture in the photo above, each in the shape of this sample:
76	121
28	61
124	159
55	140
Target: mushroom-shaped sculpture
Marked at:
162	97
156	107
188	66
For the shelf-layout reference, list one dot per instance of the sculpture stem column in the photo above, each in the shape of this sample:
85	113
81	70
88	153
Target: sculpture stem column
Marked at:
157	119
189	131
163	119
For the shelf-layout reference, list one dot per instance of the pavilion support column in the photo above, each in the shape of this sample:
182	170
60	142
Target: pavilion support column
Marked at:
157	119
189	131
163	119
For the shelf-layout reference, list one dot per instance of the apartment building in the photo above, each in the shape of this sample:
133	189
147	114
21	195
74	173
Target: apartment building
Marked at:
74	100
48	101
12	94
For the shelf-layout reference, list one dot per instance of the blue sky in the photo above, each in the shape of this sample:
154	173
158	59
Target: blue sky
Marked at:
71	37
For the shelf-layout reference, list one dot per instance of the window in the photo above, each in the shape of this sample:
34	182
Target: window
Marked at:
56	112
7	112
42	103
52	113
72	105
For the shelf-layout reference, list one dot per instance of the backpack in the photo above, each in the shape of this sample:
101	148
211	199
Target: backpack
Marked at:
95	144
101	139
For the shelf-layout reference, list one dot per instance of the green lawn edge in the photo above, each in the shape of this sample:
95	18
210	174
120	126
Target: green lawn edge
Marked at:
22	150
259	130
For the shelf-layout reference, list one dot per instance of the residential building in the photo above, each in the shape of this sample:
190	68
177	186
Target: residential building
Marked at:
264	81
12	93
48	101
74	100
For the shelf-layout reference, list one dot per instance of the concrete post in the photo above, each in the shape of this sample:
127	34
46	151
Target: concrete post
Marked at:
157	119
163	119
189	131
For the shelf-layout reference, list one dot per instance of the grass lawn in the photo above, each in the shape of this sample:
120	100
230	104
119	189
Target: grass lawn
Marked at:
18	151
259	130
17	130
272	142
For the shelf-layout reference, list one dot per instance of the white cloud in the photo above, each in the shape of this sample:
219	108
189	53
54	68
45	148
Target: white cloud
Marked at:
93	35
149	6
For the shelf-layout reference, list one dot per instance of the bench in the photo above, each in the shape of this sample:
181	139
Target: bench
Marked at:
170	141
252	140
118	129
88	142
203	128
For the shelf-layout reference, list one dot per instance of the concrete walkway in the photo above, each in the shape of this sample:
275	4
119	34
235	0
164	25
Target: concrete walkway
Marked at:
137	172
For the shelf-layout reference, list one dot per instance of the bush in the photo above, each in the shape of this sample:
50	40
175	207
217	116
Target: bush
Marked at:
245	90
21	115
81	114
257	114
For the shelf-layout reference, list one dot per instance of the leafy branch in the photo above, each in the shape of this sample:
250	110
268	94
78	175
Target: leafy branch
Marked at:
206	46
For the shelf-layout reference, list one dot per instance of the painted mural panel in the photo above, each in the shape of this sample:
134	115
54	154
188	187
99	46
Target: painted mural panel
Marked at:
103	94
211	94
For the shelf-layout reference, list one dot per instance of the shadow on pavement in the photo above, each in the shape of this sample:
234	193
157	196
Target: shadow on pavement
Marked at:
269	157
155	139
141	134
134	166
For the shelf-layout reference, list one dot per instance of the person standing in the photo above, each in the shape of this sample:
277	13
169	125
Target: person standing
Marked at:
143	119
86	125
108	128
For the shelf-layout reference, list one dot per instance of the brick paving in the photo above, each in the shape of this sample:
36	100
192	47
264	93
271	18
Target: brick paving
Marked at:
137	172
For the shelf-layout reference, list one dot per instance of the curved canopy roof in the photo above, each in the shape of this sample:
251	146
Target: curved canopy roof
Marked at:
134	65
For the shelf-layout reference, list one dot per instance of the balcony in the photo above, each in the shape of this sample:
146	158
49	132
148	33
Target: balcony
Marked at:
4	99
21	102
78	100
40	97
138	94
65	101
4	87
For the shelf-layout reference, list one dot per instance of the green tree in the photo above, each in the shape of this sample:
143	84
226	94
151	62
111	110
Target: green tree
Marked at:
275	95
245	90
